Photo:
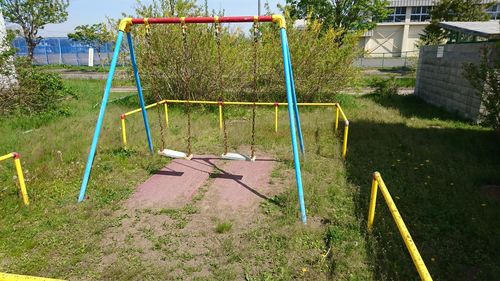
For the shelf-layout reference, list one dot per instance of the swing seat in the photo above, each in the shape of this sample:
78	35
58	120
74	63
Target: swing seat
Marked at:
236	157
175	154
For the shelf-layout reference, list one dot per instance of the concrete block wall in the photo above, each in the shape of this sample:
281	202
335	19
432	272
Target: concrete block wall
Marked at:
440	81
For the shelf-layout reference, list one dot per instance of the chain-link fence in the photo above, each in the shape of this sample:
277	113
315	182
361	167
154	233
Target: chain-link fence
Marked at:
387	60
60	50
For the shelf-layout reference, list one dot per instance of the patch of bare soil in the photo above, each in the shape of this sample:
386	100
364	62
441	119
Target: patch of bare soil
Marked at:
169	228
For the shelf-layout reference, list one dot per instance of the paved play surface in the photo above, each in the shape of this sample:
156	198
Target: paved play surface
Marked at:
171	219
241	184
231	184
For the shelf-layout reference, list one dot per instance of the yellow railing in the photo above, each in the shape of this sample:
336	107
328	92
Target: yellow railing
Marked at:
377	183
338	110
15	277
20	176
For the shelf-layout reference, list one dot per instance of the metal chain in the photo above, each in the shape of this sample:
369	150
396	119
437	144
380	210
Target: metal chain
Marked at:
255	81
154	89
186	86
221	82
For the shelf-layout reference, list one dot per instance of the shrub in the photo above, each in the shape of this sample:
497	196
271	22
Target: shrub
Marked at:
485	78
36	91
322	65
385	86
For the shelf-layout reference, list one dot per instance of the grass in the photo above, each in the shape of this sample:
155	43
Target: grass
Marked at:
434	165
401	81
404	77
223	227
432	162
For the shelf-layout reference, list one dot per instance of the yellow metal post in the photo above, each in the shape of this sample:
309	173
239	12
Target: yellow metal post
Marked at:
20	177
405	234
344	145
373	202
166	113
140	109
220	115
7	156
339	113
342	113
276	107
336	118
124	132
15	277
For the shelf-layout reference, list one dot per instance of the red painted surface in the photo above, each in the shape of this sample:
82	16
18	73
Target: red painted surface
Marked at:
175	185
236	186
242	184
202	20
16	155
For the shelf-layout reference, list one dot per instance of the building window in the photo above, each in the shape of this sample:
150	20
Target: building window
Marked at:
494	11
420	14
397	14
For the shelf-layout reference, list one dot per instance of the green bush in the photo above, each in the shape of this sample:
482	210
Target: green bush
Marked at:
485	78
322	65
25	89
36	92
384	86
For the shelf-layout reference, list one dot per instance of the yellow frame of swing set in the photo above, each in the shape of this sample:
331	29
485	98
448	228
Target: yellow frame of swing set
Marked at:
338	113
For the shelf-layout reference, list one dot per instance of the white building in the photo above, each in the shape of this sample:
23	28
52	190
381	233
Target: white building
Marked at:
398	35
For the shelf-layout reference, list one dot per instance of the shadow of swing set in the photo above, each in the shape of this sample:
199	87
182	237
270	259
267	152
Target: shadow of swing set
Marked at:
293	114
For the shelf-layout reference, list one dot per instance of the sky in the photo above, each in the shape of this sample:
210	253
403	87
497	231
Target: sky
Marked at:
95	11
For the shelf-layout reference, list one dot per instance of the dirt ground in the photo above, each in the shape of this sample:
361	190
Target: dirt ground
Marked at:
187	220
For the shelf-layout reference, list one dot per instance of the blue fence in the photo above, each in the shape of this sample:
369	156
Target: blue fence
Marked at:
61	50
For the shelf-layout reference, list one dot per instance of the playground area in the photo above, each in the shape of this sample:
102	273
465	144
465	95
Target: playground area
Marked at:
300	205
438	192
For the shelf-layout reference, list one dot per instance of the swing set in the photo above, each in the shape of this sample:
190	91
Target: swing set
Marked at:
293	114
221	90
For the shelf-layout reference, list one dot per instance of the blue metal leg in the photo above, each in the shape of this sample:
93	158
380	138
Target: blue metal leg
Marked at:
291	116
296	107
139	91
100	119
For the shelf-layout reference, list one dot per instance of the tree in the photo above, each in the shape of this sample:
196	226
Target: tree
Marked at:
452	10
33	15
94	36
485	78
342	15
168	8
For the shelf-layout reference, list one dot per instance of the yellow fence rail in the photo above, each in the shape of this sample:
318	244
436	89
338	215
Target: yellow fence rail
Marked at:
378	183
15	277
339	113
20	176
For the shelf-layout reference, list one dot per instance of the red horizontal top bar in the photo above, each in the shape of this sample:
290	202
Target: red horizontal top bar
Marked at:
201	20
